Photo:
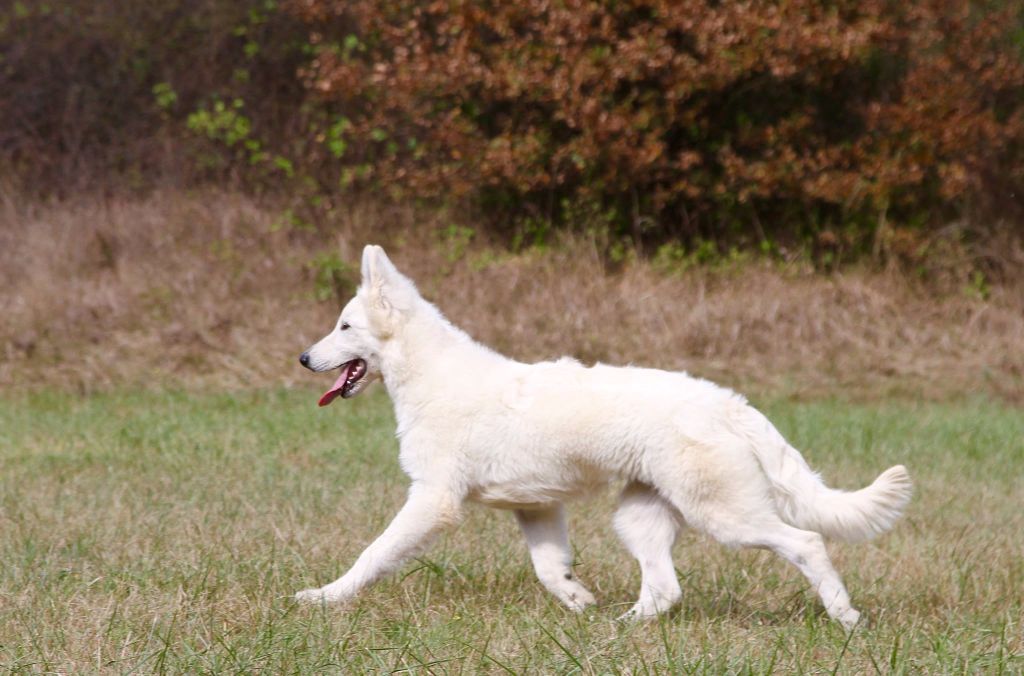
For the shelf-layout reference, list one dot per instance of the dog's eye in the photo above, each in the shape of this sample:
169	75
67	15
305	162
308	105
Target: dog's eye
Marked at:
345	326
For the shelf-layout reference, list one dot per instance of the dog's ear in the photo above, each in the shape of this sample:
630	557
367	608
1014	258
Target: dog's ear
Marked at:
377	267
387	290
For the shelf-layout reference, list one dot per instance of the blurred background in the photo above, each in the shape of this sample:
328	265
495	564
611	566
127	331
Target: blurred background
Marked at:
799	196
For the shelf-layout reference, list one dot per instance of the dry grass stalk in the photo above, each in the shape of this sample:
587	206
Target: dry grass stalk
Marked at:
210	290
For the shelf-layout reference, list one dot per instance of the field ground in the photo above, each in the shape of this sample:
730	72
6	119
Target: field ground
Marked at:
153	531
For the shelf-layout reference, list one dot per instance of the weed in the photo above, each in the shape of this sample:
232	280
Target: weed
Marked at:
455	241
333	278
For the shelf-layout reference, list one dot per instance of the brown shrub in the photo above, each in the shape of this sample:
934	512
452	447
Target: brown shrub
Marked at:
837	127
697	117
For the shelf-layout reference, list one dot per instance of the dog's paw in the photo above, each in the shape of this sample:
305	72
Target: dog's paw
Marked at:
575	596
849	619
638	613
317	597
648	608
629	616
310	596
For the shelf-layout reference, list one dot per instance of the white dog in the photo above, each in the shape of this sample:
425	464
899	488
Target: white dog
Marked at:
475	425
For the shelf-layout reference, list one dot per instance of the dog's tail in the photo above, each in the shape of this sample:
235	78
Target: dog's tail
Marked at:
851	516
805	501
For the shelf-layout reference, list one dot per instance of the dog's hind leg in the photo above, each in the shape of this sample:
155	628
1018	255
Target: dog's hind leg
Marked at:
753	524
806	550
548	541
648	525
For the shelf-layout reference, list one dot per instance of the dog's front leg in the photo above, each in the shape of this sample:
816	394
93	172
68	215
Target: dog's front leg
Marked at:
548	541
425	513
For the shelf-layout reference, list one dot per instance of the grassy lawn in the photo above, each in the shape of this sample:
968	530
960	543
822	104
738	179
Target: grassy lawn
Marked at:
167	532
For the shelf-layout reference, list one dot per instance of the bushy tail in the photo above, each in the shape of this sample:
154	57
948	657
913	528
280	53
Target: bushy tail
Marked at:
806	502
857	515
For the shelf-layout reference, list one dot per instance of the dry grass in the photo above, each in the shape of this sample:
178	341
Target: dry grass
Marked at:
212	289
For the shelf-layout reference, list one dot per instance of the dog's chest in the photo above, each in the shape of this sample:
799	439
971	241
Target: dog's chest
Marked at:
525	485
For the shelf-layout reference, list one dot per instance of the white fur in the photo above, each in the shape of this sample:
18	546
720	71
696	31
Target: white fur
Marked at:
475	425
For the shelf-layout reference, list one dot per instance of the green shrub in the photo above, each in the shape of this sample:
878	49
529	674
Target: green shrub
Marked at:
93	91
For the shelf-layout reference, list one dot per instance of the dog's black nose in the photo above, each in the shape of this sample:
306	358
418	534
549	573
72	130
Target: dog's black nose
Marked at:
304	359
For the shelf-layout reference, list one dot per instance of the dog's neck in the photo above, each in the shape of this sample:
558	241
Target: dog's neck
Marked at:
427	358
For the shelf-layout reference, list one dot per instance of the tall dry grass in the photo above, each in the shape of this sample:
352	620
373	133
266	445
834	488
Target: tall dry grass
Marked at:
212	289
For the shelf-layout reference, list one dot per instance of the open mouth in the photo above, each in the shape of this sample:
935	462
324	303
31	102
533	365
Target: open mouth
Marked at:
348	382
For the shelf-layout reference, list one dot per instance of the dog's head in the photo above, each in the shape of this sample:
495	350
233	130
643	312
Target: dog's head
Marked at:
368	321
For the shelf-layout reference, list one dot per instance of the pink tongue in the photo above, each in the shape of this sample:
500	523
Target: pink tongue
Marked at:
335	391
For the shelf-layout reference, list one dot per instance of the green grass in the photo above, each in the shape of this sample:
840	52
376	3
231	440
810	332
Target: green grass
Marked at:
147	532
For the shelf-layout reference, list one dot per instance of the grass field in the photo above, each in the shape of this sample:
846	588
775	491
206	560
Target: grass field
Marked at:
152	532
